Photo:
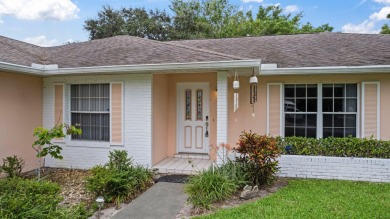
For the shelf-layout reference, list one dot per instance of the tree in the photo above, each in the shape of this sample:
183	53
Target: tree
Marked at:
154	24
44	145
385	27
194	19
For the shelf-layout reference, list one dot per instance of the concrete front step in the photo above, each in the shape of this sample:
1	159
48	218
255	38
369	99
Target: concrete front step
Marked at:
192	156
178	165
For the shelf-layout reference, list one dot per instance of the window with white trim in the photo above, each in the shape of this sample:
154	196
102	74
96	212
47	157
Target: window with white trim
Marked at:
304	116
339	109
90	108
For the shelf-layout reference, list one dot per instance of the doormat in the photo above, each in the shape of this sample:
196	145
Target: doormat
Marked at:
174	178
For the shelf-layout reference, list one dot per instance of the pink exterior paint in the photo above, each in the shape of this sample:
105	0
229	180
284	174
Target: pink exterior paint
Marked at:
20	113
370	110
274	109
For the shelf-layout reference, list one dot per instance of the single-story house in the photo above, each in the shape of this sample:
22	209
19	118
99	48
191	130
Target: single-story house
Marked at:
157	99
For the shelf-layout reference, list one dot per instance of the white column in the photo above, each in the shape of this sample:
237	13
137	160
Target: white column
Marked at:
222	113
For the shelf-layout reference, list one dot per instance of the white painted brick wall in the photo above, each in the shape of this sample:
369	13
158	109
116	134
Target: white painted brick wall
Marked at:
222	112
362	169
137	121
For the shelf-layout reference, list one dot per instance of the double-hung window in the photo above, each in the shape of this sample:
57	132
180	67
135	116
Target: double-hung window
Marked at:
90	108
304	116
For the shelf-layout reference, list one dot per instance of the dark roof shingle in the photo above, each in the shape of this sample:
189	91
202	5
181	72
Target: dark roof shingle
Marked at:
304	50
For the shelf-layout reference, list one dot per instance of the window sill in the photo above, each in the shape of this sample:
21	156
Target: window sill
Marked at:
88	144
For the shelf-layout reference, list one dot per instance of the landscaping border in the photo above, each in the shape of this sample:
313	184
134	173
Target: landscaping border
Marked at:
346	168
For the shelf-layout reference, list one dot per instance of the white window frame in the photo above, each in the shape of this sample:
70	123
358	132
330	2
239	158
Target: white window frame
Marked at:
320	114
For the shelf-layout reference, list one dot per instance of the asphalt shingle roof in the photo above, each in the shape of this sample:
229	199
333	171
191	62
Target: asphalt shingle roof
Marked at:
304	50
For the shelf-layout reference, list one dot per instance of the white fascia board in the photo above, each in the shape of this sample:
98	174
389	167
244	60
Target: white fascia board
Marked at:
153	68
20	69
327	70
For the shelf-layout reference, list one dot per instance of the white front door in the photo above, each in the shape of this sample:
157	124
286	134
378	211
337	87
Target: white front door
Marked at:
193	117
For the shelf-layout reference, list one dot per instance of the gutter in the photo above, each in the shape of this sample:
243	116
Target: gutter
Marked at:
45	70
20	69
327	70
155	68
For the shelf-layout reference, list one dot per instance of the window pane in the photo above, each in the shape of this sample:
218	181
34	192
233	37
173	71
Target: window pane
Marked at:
327	105
311	120
300	90
327	132
289	105
311	90
327	90
289	91
350	121
339	105
300	132
338	132
351	105
94	89
350	131
338	120
301	105
300	120
311	133
74	104
74	90
312	105
105	90
339	90
288	131
289	120
84	90
84	104
351	90
328	120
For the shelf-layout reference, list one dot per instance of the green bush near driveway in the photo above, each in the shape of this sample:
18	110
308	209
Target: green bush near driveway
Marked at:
337	147
317	199
30	198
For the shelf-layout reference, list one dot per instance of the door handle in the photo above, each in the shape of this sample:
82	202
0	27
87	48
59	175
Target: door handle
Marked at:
207	125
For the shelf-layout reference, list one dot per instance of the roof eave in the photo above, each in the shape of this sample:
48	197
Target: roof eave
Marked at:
156	68
327	70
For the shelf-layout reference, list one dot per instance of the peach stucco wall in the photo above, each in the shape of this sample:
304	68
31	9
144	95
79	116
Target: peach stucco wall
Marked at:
20	113
160	118
259	123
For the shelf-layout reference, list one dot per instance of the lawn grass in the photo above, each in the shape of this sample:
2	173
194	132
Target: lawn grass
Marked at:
318	199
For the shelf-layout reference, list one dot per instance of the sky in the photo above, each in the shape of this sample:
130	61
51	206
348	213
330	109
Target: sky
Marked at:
55	22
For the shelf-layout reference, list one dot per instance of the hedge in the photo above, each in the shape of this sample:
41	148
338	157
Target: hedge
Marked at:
336	147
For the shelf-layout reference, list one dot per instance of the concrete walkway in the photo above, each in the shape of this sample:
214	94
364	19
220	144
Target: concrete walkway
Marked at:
162	201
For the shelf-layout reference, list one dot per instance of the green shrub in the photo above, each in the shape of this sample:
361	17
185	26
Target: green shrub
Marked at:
119	179
12	166
338	147
258	155
208	187
26	198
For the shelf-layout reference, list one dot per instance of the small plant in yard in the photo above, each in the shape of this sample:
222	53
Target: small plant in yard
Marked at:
258	155
119	179
12	166
44	145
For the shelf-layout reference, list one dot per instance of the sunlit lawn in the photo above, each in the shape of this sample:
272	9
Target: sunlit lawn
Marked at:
318	199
